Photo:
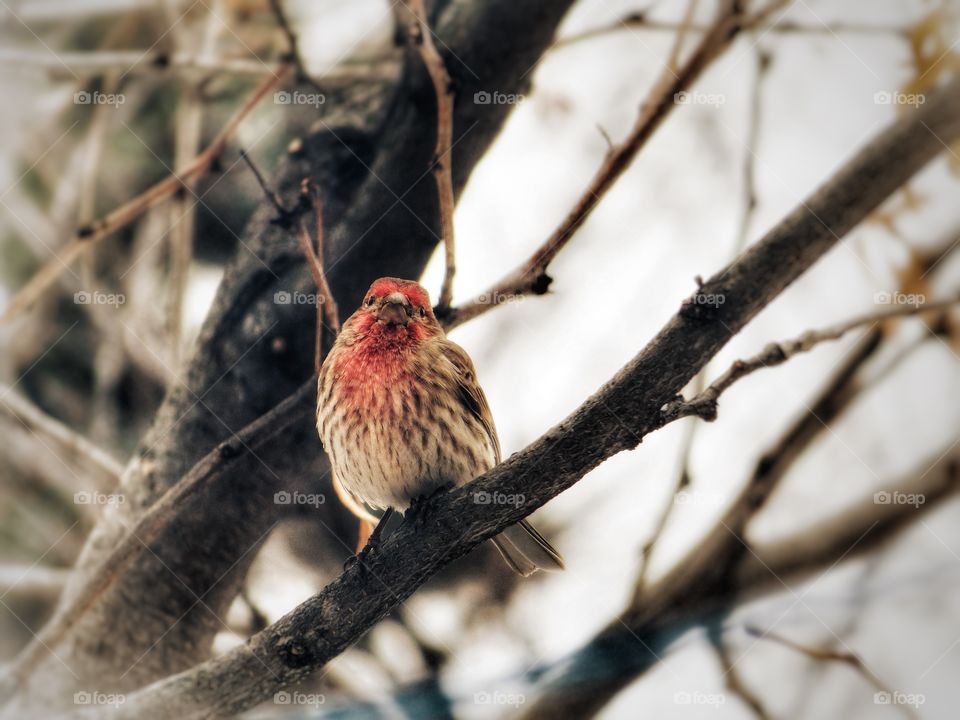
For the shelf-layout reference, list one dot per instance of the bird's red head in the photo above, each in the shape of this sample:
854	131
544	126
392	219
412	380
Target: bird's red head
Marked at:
399	308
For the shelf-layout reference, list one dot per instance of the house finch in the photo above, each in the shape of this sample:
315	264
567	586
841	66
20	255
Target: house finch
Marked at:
401	415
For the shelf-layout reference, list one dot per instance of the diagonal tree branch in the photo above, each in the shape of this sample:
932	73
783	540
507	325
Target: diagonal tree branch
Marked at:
616	418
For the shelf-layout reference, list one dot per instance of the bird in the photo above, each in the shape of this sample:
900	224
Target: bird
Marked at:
401	416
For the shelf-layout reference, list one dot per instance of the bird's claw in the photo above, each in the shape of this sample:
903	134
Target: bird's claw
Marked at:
420	505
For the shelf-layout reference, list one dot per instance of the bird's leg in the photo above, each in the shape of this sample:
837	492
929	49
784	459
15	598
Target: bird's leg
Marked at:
373	542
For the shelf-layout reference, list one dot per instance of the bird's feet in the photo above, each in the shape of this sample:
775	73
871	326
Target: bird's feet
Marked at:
421	503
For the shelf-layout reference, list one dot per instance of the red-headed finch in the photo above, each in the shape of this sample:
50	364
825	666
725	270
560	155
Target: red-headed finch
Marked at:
401	415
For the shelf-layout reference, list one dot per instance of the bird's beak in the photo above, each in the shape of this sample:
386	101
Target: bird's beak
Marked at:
395	309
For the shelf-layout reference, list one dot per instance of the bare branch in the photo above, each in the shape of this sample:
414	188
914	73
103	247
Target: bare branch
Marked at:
270	194
640	21
34	582
90	234
750	151
36	420
421	37
681	482
704	405
705	599
293	48
326	305
531	277
731	675
820	654
293	220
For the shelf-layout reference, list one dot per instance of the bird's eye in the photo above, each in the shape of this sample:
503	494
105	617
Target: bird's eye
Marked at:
371	300
423	313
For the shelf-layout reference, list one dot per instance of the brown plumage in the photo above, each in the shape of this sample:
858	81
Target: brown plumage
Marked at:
401	414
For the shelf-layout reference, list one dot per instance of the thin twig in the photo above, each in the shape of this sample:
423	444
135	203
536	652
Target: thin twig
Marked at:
36	420
704	404
681	482
750	152
639	21
85	65
33	582
294	221
844	657
442	163
730	674
133	208
683	476
673	60
531	277
293	46
326	306
271	194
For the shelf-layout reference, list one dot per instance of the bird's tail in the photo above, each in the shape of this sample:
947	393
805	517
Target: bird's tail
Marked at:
526	551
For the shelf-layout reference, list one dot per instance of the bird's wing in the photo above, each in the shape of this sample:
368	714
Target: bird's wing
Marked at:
470	392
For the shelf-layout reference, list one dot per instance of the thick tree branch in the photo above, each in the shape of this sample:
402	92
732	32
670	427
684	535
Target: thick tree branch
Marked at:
863	526
615	419
215	468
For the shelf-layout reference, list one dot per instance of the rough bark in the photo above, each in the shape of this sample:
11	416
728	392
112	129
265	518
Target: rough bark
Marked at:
253	352
614	419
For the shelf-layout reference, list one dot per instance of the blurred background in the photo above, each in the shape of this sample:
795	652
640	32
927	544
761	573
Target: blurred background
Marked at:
103	98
